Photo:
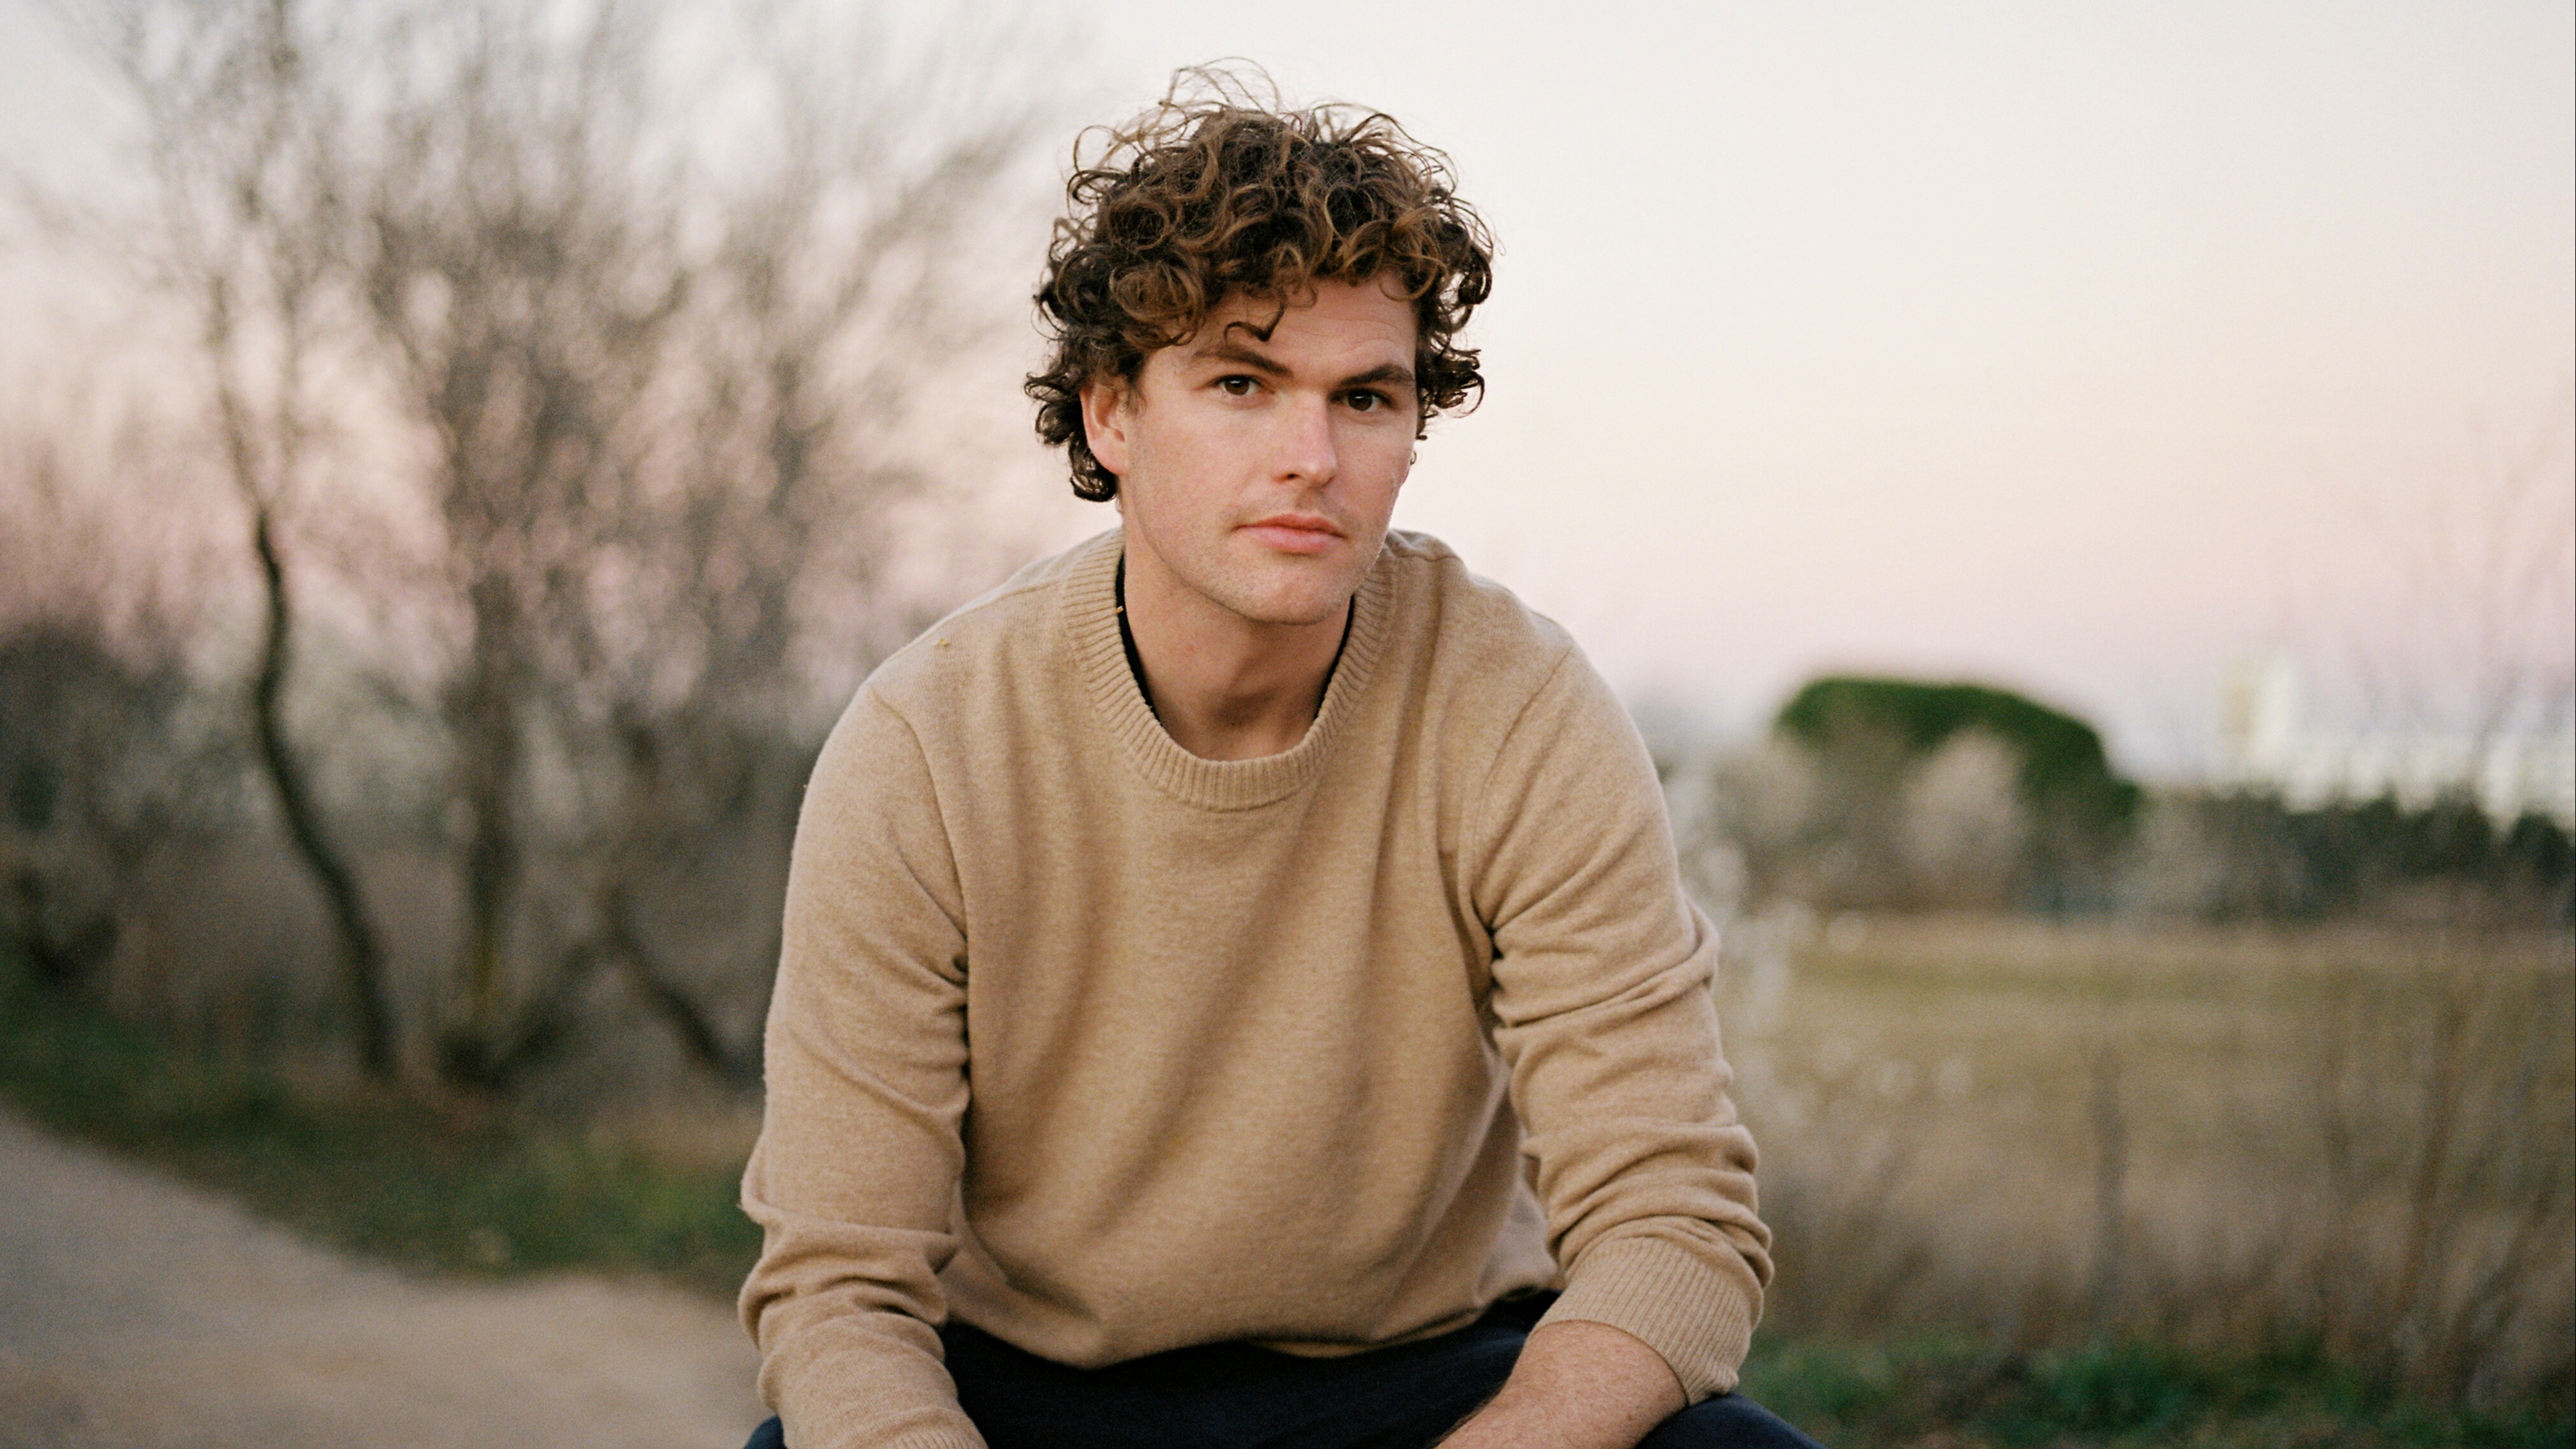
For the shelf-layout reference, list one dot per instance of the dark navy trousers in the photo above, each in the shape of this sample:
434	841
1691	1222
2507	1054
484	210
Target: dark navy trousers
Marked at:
1236	1396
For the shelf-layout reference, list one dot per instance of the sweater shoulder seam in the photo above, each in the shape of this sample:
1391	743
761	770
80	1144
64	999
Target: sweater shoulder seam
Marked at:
1034	578
1480	846
955	883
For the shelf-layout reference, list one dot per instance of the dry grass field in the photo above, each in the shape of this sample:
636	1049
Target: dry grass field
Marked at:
2359	1140
2033	1185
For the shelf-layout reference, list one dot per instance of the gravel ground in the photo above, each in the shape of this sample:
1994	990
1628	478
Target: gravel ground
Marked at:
137	1311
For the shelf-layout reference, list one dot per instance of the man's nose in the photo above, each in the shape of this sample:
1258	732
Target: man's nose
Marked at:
1305	441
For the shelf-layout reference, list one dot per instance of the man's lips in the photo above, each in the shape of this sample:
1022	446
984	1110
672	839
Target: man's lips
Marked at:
1295	532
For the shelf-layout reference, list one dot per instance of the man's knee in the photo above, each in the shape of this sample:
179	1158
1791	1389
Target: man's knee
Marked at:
1729	1421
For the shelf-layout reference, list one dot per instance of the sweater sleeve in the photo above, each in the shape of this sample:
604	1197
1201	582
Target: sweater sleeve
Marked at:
1602	1011
856	1169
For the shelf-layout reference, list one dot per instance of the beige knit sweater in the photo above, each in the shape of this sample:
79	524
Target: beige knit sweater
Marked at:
1108	1049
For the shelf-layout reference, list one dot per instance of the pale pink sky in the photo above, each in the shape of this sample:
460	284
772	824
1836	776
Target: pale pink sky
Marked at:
2070	346
2051	343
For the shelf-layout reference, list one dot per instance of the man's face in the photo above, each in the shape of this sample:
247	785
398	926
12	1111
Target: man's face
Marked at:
1256	474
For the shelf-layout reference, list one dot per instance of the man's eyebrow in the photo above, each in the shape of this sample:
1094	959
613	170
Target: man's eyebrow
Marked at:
1224	349
1394	372
1227	350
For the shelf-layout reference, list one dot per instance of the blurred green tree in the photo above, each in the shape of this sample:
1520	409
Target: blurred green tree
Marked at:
1869	733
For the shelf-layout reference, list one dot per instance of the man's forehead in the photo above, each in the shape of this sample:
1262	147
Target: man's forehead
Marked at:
1249	324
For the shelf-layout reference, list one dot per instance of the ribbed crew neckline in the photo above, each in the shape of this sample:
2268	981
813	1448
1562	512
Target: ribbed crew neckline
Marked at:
1088	606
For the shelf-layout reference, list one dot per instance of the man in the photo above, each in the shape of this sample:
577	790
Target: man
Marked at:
1237	986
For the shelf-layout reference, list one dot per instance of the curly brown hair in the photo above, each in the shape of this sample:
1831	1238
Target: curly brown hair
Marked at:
1213	195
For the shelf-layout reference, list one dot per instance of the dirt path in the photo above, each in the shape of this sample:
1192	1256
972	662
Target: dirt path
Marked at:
139	1311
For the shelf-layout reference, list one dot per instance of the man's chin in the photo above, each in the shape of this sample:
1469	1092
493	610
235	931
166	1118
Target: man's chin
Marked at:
1299	618
1294	597
1296	609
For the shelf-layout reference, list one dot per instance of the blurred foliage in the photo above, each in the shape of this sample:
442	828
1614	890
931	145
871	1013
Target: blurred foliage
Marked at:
98	776
1957	1394
1892	794
1876	793
456	1185
2264	859
2064	771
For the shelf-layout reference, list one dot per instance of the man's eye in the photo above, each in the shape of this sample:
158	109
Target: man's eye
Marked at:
1235	386
1365	401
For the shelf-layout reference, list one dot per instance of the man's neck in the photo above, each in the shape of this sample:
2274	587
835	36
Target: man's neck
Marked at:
1226	687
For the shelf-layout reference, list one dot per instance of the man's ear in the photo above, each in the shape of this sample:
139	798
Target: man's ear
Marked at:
1104	422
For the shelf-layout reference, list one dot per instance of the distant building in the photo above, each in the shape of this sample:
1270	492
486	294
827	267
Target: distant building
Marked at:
2264	742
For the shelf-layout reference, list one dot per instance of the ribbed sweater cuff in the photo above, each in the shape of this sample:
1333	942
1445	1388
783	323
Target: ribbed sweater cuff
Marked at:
927	1438
1691	1311
854	1427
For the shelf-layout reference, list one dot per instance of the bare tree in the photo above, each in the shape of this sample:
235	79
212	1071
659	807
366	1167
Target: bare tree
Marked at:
2484	589
2451	613
648	448
105	764
656	336
836	282
242	233
524	264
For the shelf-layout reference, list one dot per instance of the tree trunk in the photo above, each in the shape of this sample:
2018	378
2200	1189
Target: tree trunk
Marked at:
695	1030
361	955
487	724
